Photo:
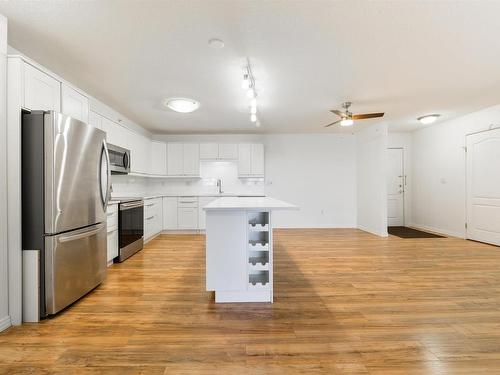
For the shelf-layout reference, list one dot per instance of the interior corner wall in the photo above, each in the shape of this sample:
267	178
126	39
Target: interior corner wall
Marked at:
438	154
371	152
4	292
316	172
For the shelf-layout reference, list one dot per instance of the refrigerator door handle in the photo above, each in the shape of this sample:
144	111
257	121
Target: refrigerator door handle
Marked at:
87	232
107	194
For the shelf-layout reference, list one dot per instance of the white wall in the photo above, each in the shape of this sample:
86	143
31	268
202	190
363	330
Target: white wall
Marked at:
404	141
4	296
439	171
317	172
371	179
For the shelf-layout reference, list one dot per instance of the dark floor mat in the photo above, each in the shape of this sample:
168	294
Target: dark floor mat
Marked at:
405	232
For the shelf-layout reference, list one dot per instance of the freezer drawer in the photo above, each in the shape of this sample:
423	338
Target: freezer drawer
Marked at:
75	263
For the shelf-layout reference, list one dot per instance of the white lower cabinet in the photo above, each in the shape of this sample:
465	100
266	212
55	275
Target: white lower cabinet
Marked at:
202	202
187	212
188	217
112	224
153	217
169	213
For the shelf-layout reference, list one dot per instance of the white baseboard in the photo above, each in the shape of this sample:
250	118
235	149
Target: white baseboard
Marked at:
5	323
437	230
373	231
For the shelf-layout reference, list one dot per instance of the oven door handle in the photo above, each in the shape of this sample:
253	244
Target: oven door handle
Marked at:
128	206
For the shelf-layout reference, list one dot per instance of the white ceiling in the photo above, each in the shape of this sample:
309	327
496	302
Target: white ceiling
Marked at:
407	58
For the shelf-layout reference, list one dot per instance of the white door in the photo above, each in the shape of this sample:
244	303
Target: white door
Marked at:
74	104
41	91
174	159
483	187
395	187
191	159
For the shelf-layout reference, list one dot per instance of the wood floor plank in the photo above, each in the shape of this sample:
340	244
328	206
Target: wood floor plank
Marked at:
346	302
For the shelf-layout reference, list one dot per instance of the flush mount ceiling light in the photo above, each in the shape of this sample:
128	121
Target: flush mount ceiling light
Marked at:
182	105
428	119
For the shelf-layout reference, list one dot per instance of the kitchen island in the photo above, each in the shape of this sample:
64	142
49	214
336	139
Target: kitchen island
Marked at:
239	248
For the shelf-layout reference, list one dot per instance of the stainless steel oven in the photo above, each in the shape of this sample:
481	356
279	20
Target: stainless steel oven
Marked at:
119	159
130	228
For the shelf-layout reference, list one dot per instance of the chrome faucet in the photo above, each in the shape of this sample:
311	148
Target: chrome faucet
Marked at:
219	185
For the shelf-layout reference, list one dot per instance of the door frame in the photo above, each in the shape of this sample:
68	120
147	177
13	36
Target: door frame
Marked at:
404	177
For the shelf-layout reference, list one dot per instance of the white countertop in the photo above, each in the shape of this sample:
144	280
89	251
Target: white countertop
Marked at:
243	203
153	196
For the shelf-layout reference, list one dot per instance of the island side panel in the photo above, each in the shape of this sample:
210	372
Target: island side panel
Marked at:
226	256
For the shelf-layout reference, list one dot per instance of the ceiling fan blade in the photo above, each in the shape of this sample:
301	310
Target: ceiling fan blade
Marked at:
367	115
333	123
337	112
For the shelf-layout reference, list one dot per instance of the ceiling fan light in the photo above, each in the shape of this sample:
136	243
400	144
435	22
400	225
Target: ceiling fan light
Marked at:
347	122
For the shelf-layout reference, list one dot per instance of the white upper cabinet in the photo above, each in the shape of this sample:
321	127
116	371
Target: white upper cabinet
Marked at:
140	153
158	158
183	159
251	160
191	162
257	159
218	151
209	151
41	91
175	159
95	119
244	159
74	104
228	151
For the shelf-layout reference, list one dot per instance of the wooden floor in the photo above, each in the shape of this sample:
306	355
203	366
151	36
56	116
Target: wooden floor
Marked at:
345	302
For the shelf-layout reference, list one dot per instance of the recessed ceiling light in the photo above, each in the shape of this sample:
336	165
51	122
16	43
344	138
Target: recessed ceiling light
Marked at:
216	43
346	122
428	119
182	105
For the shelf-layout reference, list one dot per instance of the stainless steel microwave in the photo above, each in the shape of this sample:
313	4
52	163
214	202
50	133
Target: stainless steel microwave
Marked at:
119	159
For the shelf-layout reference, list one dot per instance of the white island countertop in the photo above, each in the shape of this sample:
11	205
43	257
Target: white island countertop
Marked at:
243	203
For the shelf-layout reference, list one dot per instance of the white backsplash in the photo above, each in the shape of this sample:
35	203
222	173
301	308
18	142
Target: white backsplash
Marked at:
210	171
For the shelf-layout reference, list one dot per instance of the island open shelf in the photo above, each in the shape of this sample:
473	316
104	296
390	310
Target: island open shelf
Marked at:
239	248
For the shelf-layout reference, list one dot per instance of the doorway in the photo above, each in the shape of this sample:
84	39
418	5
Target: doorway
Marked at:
395	187
483	186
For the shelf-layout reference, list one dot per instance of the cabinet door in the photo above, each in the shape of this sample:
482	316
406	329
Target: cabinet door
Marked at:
191	162
228	151
244	159
257	159
188	218
158	158
202	202
112	245
174	159
95	119
115	134
209	151
41	91
74	104
169	213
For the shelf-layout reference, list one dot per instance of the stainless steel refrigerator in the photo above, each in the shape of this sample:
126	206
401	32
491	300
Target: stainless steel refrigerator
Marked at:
65	192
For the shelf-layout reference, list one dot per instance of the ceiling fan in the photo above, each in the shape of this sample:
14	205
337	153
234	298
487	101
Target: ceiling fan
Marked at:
347	118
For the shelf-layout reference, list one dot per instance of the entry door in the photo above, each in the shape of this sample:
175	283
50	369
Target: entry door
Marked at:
395	187
483	187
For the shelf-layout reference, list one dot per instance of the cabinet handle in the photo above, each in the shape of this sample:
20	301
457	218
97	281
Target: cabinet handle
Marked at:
150	205
149	218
